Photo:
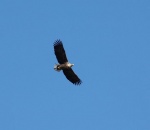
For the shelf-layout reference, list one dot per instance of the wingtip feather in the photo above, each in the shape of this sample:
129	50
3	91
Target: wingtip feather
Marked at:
78	82
57	42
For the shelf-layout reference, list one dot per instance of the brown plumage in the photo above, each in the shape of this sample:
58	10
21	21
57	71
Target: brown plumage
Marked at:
64	64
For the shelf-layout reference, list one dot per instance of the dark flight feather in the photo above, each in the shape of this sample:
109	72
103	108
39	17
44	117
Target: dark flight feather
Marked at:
71	76
60	52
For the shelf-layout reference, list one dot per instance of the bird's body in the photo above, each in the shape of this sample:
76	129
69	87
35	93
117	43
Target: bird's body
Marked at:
64	65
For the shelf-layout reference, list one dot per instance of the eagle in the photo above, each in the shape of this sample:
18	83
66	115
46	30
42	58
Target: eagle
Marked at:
64	65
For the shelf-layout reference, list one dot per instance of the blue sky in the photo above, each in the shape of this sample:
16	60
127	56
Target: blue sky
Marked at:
109	43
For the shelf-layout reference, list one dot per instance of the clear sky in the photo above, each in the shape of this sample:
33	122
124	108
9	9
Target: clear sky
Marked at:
109	43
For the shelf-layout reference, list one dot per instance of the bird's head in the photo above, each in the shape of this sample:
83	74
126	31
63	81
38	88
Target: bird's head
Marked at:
70	65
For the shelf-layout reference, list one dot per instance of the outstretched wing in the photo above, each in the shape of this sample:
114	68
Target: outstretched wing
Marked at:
60	52
71	76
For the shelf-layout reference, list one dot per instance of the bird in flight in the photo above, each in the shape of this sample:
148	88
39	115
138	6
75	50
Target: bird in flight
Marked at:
64	65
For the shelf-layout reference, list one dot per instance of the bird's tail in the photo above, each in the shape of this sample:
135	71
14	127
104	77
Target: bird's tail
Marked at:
55	67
